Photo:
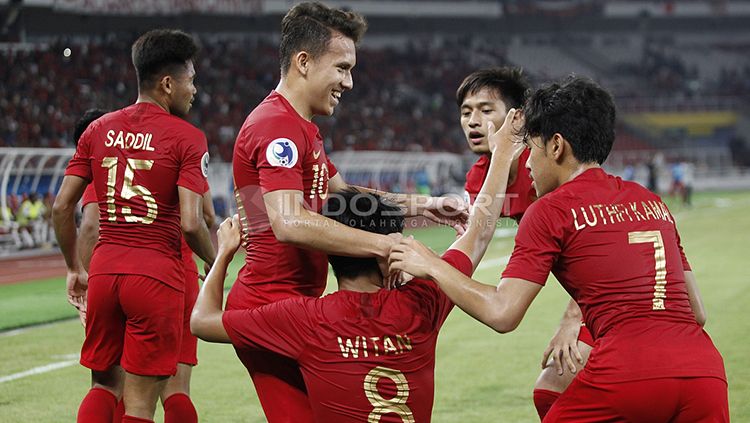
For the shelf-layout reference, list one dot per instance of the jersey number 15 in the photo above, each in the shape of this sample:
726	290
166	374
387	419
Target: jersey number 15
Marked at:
128	190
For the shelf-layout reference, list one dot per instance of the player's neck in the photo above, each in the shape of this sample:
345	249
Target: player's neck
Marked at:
576	169
145	97
295	97
365	283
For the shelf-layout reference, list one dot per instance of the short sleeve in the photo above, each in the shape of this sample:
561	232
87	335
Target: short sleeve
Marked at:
194	163
89	195
332	171
538	244
80	164
281	327
278	156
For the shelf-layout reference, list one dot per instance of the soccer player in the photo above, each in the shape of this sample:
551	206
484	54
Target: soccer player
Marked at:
485	96
282	177
366	353
148	167
178	407
614	247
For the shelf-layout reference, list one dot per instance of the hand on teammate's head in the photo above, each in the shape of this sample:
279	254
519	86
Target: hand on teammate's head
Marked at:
507	140
229	235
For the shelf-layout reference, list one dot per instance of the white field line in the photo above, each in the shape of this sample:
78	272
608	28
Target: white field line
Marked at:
496	262
14	332
41	369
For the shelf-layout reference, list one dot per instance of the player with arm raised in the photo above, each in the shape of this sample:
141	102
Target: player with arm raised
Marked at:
365	353
148	167
283	176
614	247
485	96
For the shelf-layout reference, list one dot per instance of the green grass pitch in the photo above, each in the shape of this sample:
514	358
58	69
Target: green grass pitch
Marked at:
480	376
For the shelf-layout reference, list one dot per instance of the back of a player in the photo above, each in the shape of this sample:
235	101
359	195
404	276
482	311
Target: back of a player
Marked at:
138	156
623	263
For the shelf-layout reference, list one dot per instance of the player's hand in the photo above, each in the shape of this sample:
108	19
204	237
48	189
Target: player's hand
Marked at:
563	347
449	210
229	235
507	141
412	257
77	283
82	317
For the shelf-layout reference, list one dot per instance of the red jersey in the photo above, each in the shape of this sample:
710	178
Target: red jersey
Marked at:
613	245
518	196
277	149
364	356
136	158
89	196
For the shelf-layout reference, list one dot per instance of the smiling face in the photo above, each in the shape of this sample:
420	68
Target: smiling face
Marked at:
330	74
477	110
182	91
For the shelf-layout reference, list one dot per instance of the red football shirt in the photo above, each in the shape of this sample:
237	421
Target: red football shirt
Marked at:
364	356
277	149
89	196
613	245
518	196
136	158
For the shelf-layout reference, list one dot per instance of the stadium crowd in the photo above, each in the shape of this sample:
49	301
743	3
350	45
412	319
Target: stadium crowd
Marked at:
394	106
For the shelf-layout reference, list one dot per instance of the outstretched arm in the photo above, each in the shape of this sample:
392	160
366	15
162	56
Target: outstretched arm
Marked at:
505	148
206	319
502	308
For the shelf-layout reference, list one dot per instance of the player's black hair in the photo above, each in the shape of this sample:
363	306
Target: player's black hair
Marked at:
579	110
367	212
509	83
309	26
88	116
161	52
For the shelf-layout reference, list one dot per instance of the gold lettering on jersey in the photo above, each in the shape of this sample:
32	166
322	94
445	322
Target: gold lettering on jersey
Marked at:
382	406
611	214
129	140
320	181
357	346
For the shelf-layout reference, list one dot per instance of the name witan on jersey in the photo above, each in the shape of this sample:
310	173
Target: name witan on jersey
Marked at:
129	140
610	214
374	345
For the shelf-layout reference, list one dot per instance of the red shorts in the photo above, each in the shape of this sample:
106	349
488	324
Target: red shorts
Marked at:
134	321
584	335
676	400
189	346
277	380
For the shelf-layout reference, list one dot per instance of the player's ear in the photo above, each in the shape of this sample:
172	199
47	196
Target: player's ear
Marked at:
557	146
166	84
301	61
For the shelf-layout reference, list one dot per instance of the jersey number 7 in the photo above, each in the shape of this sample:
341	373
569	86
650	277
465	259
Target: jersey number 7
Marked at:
655	238
129	190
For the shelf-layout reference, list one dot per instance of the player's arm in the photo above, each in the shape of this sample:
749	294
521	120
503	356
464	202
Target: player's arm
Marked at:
206	319
88	233
449	211
502	308
209	214
489	202
294	224
194	224
63	220
696	303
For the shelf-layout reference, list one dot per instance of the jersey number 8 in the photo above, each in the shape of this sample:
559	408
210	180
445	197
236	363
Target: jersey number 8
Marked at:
383	406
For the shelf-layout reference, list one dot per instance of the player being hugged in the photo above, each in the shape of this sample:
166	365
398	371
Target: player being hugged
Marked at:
614	247
283	176
148	167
